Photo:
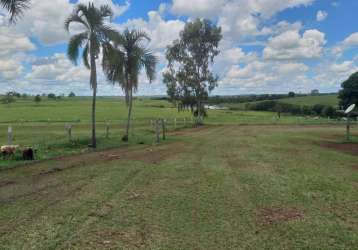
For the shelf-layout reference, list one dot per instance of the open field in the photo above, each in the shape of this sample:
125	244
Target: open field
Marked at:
214	187
330	100
42	125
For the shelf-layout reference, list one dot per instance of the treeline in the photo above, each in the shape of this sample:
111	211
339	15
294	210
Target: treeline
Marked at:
12	96
246	98
294	109
256	98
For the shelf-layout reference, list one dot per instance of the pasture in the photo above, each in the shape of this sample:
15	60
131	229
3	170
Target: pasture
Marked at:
330	100
42	125
326	99
214	187
245	180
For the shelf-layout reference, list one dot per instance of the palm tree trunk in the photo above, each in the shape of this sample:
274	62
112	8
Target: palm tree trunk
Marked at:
94	88
130	105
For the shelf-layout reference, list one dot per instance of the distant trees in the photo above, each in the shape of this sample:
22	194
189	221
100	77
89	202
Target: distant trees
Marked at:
349	93
291	94
72	94
94	35
9	97
37	99
124	58
51	96
15	7
188	75
314	92
294	109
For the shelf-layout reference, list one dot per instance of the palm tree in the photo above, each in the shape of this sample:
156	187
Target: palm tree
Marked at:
96	33
15	7
124	58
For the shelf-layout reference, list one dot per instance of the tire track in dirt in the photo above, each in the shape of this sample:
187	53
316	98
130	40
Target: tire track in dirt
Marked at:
105	209
151	156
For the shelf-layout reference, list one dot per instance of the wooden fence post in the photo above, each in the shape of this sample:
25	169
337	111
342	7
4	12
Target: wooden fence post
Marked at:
163	128
184	122
157	131
175	123
348	132
68	127
9	135
107	130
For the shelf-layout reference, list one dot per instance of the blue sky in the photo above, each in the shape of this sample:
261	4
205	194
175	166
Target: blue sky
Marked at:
268	46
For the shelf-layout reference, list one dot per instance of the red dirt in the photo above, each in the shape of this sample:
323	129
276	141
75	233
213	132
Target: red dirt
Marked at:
269	216
348	148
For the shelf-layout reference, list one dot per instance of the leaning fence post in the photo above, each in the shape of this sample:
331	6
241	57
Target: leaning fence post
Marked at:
9	135
157	131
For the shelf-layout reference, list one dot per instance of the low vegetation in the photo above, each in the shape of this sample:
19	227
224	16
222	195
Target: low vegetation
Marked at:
218	187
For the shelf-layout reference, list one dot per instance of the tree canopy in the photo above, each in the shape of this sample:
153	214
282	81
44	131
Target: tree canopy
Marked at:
189	77
349	93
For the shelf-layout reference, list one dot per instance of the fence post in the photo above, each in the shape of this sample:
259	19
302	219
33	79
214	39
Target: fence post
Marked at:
68	127
157	131
107	130
184	122
175	123
9	135
348	132
163	128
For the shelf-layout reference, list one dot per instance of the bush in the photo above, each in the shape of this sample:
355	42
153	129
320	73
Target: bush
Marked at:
294	109
51	96
318	109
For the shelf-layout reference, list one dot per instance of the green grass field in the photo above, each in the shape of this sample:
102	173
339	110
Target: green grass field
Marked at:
215	187
330	100
245	180
42	125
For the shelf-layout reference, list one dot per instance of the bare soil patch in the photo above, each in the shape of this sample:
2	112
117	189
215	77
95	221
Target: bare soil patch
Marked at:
269	216
348	148
6	183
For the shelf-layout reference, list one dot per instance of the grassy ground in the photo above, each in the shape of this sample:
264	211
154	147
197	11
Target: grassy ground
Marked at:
215	187
331	100
42	126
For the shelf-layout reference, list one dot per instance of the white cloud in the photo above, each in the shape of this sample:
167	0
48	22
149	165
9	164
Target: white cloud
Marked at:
321	15
330	75
12	42
268	77
197	8
291	45
238	19
350	42
161	32
45	19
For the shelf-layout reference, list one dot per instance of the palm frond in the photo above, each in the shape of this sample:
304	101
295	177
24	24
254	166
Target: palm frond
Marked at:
74	46
85	55
106	11
15	7
75	18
